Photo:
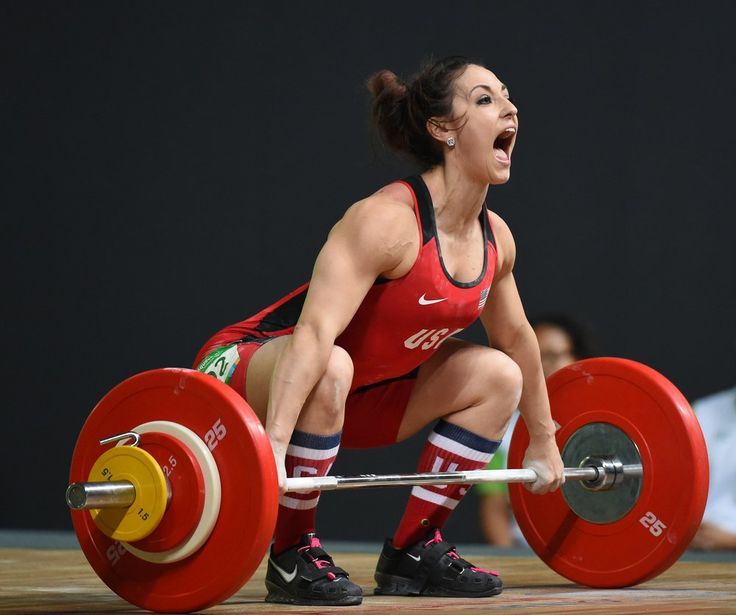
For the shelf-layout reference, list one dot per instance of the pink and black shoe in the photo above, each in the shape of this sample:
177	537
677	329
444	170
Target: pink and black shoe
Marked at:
431	567
305	574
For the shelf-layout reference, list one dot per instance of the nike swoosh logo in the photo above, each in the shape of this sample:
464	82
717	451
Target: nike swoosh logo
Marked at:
416	558
423	301
287	576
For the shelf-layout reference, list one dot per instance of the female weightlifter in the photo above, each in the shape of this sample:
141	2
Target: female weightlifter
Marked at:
364	354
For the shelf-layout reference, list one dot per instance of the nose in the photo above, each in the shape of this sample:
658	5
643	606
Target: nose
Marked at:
511	110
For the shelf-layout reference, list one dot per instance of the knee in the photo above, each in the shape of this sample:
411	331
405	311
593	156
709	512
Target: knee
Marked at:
339	372
506	381
332	389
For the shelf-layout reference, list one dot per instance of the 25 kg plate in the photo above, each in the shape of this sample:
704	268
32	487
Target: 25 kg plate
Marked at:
662	517
247	515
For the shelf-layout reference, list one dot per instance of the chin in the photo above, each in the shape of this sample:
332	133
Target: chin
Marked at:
500	178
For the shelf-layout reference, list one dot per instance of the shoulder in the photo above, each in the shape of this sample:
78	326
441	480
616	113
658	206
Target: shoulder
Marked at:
381	230
505	244
386	214
390	203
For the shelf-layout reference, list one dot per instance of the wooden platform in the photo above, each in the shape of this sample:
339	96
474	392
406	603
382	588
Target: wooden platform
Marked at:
61	581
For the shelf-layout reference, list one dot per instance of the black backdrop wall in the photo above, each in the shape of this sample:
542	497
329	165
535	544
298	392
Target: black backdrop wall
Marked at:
172	167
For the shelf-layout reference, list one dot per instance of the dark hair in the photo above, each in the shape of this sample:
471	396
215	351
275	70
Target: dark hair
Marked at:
401	110
582	343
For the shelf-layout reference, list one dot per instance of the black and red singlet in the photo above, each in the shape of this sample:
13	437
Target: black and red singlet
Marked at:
400	322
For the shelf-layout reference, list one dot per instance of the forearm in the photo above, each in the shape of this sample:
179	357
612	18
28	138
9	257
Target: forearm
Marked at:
713	537
534	403
727	540
297	371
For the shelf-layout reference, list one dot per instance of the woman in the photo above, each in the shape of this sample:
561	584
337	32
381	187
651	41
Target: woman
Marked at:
364	355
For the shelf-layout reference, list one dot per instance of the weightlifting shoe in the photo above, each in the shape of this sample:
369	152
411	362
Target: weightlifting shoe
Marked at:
305	574
431	567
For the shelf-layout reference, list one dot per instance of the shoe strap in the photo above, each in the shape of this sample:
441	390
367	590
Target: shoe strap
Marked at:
320	564
434	551
431	569
314	554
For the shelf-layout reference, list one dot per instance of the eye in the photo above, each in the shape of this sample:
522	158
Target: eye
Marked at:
485	100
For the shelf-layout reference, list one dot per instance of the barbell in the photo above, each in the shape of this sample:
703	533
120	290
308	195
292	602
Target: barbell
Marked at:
174	491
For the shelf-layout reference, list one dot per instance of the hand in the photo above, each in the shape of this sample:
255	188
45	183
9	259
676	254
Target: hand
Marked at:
543	457
279	454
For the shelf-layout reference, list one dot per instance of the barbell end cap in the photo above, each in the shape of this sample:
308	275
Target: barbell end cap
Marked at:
76	496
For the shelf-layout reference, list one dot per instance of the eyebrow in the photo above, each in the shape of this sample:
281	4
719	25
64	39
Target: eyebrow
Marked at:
488	88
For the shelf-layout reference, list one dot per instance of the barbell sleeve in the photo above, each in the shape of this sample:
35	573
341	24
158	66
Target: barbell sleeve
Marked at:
108	494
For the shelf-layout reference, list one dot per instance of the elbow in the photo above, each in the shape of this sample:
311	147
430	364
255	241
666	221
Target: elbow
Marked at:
513	338
309	338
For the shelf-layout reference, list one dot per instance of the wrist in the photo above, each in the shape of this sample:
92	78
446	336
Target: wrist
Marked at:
542	435
279	441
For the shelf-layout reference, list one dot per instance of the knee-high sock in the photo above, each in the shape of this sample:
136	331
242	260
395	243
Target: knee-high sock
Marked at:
307	455
448	448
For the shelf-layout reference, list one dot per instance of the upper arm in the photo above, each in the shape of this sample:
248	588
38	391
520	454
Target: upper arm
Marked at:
503	316
375	236
505	245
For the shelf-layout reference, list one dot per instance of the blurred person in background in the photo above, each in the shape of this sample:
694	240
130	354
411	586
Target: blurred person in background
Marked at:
562	341
717	416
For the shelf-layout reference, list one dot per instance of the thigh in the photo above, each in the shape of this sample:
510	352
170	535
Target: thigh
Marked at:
456	377
228	364
257	376
246	368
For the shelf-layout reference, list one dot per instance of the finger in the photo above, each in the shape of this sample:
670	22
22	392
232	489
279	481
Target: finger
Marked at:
538	487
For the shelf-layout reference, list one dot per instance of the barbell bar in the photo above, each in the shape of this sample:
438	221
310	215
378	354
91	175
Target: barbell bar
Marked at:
121	494
622	518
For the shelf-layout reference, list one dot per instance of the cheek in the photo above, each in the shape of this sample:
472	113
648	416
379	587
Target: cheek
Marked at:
478	144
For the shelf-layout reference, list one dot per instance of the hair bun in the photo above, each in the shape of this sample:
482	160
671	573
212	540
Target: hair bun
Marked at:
402	118
386	83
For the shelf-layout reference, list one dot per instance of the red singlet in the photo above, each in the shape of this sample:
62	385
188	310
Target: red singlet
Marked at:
401	322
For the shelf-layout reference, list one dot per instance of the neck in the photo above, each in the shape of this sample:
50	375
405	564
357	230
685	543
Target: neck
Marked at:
457	199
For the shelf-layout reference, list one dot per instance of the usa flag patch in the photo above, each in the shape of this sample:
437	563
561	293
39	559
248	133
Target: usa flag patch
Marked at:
483	297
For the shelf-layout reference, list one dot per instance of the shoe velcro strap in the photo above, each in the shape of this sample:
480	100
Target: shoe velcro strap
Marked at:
314	574
428	568
316	553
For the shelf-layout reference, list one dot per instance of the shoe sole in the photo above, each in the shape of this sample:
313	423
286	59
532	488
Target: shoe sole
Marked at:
389	585
279	596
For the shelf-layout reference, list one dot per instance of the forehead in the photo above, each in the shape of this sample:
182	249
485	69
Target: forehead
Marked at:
478	75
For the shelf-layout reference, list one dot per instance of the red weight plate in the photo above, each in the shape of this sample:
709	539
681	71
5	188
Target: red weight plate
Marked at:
247	471
184	475
653	534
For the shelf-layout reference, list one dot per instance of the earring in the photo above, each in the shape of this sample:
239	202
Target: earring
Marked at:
451	141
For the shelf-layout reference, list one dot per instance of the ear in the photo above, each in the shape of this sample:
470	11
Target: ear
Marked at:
437	128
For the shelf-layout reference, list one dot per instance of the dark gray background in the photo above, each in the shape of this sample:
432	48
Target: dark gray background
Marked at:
170	168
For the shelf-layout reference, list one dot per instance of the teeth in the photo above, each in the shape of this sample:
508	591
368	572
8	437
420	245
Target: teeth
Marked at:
508	132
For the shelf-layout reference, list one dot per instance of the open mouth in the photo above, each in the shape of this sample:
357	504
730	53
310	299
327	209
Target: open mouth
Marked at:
502	145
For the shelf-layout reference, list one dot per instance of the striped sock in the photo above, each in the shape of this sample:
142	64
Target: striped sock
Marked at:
307	455
449	448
